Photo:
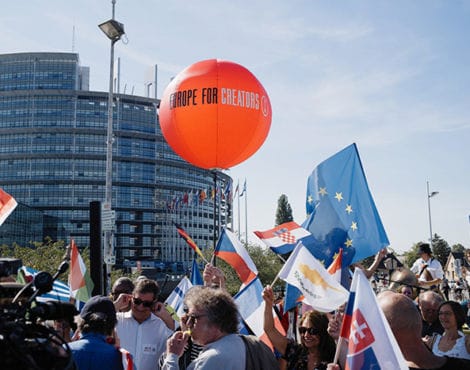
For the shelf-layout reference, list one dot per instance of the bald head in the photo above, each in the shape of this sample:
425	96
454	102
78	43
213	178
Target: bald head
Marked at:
401	314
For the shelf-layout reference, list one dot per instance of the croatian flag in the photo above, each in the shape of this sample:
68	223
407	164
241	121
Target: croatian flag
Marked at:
176	297
283	238
251	305
371	344
7	205
232	251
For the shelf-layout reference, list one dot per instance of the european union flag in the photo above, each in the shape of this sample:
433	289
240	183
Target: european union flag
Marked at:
341	210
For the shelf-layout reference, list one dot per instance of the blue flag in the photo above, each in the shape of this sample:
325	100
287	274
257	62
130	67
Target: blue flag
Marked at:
196	278
341	214
341	210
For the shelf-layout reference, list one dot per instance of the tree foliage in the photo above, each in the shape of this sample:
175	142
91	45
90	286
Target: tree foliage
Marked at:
440	249
284	210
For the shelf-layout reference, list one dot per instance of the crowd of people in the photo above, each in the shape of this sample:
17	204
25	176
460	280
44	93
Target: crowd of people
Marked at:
132	329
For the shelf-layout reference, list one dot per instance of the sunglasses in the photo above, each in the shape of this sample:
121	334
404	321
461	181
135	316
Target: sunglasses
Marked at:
311	331
138	301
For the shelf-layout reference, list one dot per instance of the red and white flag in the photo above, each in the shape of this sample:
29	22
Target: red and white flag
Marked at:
7	205
283	238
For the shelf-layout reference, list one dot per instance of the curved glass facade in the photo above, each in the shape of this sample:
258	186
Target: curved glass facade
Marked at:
53	158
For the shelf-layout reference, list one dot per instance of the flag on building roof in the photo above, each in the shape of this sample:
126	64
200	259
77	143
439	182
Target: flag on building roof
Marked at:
196	277
7	205
283	238
243	191
60	291
188	240
232	251
251	308
371	343
176	297
341	210
319	289
80	282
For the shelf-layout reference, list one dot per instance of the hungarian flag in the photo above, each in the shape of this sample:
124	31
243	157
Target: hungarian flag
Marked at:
188	240
7	205
80	281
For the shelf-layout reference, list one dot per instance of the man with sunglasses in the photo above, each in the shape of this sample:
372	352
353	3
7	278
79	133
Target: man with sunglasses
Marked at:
212	320
142	332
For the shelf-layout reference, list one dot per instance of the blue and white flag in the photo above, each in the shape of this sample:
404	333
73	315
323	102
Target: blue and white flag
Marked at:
196	277
176	297
371	343
60	291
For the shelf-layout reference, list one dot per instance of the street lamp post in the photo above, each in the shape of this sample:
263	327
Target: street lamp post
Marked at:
114	30
430	195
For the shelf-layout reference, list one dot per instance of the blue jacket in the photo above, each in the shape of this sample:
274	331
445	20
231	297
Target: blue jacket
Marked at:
91	352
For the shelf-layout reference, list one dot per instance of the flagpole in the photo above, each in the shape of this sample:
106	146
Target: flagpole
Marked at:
246	216
238	210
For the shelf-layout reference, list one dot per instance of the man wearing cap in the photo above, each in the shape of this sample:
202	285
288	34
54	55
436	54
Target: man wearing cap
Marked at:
97	321
427	269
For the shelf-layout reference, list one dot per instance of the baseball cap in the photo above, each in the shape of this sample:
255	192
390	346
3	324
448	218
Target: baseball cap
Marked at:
98	305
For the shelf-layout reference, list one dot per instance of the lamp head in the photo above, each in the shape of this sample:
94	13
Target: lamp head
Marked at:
113	29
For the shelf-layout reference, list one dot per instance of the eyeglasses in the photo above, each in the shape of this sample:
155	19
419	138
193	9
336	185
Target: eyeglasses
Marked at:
311	331
194	318
138	301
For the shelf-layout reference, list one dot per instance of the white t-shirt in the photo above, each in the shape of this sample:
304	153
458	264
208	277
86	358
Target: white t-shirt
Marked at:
459	350
146	341
433	266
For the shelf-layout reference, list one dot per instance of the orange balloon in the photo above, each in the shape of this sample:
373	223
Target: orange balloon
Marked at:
215	114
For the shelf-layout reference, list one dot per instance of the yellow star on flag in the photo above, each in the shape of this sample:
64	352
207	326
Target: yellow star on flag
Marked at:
339	196
322	191
348	209
348	243
354	226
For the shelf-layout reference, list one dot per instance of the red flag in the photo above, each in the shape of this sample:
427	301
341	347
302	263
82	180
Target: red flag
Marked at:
7	205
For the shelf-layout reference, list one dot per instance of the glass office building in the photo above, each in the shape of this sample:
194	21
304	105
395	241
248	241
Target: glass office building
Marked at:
53	159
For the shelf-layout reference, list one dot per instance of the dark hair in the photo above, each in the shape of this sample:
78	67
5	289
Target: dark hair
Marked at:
97	322
143	286
219	306
327	345
458	311
424	248
123	285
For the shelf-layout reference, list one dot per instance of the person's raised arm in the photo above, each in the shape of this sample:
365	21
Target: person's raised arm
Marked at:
278	340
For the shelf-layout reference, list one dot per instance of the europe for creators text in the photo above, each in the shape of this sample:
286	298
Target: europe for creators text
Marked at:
210	95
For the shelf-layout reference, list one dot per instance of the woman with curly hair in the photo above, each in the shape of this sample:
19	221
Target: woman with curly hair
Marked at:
316	348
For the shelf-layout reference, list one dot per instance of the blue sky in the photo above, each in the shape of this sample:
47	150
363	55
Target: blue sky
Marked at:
393	77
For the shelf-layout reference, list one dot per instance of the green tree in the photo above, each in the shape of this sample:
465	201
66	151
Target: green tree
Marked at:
284	210
459	248
440	249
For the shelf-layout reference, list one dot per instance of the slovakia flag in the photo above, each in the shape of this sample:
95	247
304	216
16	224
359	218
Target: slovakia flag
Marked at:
283	238
371	344
232	251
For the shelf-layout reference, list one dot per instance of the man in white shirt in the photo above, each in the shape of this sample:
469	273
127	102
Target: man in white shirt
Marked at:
427	269
140	331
